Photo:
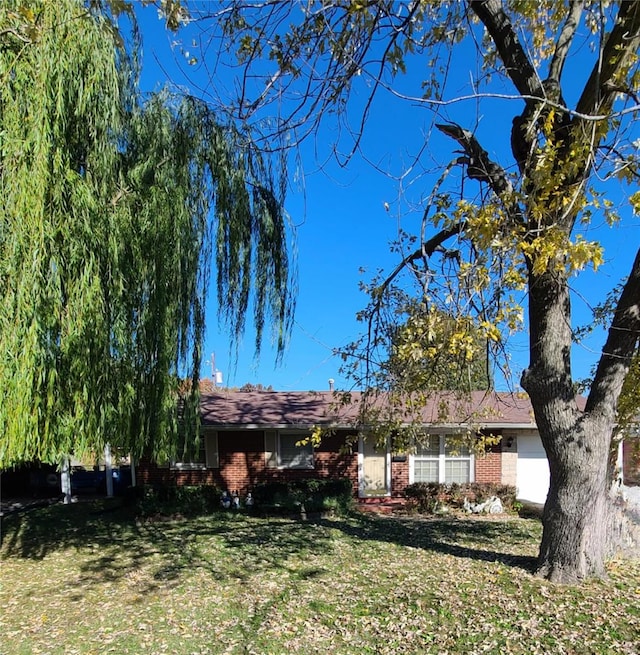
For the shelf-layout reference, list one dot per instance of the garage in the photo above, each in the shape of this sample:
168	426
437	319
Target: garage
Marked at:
532	470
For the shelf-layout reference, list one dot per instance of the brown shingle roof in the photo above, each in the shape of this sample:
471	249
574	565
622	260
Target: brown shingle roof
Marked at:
260	409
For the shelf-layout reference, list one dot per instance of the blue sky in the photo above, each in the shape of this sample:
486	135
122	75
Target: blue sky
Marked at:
343	228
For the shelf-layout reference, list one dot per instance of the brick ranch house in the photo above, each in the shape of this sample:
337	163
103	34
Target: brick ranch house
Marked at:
253	437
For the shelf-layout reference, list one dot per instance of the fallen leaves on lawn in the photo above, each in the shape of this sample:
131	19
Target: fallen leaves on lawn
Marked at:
242	585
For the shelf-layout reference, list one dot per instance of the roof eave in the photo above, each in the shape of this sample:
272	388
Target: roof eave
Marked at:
344	426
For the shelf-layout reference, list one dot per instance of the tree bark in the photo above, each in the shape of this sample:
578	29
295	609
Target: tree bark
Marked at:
585	520
574	518
579	514
582	523
579	511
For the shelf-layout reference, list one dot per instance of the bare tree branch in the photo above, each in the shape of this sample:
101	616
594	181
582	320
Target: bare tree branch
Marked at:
621	345
622	44
564	40
480	167
14	32
426	249
517	64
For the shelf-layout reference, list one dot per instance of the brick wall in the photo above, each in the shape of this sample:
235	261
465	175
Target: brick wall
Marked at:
488	467
242	464
631	461
399	477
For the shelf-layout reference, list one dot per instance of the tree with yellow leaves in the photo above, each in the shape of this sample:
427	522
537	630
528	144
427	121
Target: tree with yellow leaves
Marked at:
511	227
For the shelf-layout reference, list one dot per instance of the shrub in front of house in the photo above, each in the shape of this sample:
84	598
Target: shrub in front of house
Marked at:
305	495
433	498
184	500
423	496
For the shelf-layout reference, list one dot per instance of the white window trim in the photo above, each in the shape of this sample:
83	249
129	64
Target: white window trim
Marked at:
441	459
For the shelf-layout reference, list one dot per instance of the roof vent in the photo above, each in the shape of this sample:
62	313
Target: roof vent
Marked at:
331	382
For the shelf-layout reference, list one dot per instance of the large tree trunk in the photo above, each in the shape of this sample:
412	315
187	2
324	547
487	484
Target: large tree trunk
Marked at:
583	523
579	512
577	447
581	520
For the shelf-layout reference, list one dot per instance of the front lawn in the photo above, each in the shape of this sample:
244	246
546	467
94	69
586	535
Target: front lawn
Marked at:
87	578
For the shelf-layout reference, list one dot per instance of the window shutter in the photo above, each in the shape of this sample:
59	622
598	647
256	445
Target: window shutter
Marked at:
211	449
270	449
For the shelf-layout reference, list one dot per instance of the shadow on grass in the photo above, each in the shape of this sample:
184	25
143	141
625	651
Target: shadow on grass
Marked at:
111	544
38	532
475	539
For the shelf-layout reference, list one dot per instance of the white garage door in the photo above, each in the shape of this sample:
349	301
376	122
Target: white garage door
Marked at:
532	470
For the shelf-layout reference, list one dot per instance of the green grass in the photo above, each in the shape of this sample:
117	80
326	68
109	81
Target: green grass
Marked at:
87	579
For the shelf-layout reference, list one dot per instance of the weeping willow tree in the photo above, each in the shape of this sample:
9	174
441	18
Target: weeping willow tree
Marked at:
111	210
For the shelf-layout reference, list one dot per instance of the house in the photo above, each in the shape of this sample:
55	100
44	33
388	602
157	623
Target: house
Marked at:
253	437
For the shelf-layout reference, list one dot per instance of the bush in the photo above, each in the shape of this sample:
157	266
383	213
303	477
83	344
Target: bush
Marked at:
173	499
423	496
314	495
431	497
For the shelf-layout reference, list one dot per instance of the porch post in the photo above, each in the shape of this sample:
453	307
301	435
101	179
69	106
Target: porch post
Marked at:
108	470
133	470
65	479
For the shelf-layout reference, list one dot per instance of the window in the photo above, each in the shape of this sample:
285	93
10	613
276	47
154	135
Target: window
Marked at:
198	456
282	450
436	460
457	463
426	462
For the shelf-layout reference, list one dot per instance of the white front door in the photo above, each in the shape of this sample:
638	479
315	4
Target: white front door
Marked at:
374	470
532	472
